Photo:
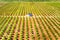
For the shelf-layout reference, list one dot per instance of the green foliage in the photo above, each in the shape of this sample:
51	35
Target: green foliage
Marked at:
28	0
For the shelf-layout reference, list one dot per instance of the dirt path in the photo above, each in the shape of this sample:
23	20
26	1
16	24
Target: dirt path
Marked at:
38	28
16	30
29	27
19	28
35	35
20	33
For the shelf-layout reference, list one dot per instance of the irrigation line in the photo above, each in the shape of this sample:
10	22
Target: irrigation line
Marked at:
33	16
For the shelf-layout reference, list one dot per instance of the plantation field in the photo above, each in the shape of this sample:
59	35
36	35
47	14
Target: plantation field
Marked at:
43	25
